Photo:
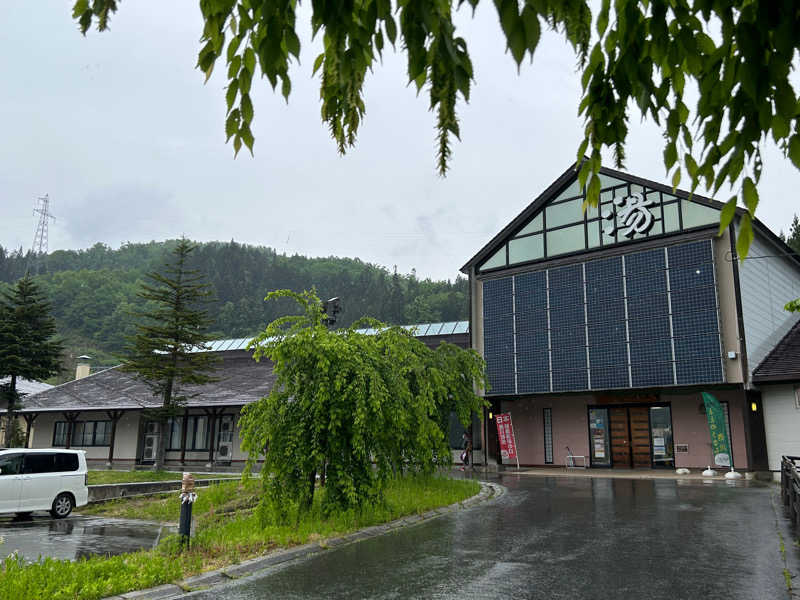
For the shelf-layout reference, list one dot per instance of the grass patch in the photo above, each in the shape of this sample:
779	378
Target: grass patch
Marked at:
104	477
226	532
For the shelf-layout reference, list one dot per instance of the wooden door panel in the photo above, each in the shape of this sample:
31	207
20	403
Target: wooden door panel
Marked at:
620	442
640	436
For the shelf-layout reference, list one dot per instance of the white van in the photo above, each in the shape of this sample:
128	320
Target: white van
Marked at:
48	479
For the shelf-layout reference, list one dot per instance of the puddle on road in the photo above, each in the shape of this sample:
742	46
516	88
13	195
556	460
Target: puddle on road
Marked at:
77	537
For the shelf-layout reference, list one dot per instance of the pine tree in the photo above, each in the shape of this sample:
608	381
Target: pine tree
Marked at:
164	352
28	348
793	238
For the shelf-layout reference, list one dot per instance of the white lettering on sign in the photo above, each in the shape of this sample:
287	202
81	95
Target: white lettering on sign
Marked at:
633	215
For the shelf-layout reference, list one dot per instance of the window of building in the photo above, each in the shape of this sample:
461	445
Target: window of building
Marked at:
626	212
526	248
695	215
564	213
197	432
565	240
548	436
175	427
84	433
60	434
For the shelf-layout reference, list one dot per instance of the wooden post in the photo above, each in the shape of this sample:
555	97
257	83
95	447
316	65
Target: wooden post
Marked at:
212	415
29	419
114	416
71	417
183	435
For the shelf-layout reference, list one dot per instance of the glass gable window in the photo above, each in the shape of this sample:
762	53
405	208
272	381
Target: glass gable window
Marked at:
526	248
627	212
568	239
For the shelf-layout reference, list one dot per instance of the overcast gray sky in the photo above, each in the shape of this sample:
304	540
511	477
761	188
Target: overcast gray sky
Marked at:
122	133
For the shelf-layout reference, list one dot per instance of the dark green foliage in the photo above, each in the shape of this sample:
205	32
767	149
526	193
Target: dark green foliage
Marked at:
793	239
360	408
94	291
163	352
738	53
28	348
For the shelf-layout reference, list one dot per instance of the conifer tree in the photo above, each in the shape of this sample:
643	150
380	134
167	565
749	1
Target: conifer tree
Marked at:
166	352
793	239
28	348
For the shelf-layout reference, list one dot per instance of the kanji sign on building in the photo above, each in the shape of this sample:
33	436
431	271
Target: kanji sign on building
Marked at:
505	433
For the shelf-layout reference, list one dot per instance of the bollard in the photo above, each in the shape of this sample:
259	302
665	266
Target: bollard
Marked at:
188	496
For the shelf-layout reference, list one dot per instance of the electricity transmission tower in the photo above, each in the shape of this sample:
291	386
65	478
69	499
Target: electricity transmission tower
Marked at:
41	207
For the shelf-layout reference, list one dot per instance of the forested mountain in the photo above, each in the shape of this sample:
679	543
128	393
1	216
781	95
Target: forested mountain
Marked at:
93	291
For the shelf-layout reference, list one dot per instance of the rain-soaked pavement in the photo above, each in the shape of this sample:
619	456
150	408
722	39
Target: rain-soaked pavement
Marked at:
75	536
562	537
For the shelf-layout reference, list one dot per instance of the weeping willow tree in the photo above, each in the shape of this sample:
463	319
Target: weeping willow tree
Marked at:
363	407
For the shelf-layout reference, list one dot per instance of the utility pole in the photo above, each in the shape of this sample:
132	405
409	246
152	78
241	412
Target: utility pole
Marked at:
39	249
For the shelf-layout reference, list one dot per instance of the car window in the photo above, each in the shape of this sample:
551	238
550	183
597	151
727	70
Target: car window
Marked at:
10	464
39	462
66	462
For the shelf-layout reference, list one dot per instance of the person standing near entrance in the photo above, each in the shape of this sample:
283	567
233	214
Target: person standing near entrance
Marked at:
466	455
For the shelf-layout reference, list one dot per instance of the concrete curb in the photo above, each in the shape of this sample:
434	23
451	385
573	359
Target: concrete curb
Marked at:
113	491
209	579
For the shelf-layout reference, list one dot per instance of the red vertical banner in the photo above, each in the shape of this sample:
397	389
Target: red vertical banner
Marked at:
505	433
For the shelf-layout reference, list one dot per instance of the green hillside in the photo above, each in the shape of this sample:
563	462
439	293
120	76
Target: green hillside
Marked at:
93	291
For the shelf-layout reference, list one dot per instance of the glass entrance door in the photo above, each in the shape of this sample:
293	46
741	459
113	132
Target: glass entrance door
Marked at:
661	437
599	441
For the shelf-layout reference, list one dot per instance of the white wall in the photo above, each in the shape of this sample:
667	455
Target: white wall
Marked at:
781	422
767	284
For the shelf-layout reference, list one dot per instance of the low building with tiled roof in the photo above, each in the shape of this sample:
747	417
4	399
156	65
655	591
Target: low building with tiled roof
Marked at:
105	413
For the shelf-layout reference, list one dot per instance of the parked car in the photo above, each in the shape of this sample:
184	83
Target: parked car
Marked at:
48	479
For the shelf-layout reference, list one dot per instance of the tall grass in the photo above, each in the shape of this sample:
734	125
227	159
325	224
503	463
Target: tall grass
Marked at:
221	538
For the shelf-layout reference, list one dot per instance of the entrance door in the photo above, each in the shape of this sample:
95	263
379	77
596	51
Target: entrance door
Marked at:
630	437
620	438
640	436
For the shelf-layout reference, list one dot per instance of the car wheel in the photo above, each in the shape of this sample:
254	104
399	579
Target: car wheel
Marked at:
62	506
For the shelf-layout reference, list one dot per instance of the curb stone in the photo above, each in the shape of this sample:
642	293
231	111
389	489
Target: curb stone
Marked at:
210	579
168	590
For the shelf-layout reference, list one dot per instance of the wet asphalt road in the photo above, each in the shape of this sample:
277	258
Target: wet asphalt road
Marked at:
74	537
562	538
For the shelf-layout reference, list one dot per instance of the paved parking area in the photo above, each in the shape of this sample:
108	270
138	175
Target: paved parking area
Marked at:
565	537
75	536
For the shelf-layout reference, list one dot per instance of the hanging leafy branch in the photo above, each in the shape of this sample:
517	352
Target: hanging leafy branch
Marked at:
359	408
646	54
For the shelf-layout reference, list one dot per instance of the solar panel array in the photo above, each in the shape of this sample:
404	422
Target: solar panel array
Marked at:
421	330
643	319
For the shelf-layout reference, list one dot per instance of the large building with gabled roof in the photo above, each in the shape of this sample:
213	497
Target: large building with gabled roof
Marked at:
601	328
